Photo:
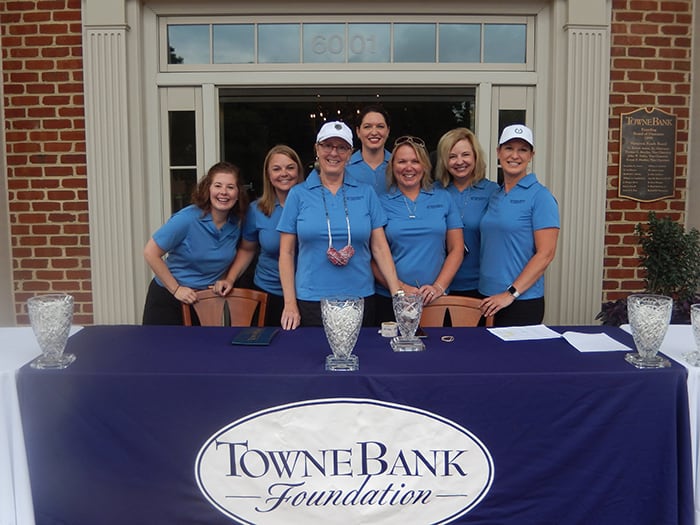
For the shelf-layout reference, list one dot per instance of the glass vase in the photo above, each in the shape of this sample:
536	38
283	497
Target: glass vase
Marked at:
51	317
342	320
649	317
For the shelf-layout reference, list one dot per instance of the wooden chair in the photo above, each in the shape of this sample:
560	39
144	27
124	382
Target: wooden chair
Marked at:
236	309
464	311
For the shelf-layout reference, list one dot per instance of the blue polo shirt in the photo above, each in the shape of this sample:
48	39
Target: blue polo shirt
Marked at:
262	229
304	216
418	244
471	204
362	172
198	252
507	234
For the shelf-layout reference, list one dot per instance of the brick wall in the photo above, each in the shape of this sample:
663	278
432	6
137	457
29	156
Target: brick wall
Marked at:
45	134
650	66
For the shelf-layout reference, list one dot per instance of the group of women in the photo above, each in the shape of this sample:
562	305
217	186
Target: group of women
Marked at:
372	223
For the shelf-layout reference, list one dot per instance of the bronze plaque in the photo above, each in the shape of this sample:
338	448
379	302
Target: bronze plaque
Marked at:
647	155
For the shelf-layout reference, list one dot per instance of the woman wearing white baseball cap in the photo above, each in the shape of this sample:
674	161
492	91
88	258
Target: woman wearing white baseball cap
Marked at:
337	226
519	233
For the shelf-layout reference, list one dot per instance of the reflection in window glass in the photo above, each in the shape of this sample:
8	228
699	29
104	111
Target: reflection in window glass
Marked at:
504	43
278	43
234	43
324	43
182	183
414	42
369	43
460	42
183	146
188	44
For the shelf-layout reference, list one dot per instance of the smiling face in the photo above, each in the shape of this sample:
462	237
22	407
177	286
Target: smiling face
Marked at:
223	192
373	131
283	172
333	154
461	162
514	157
407	169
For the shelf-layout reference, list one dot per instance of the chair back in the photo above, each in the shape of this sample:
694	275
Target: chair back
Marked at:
236	309
464	311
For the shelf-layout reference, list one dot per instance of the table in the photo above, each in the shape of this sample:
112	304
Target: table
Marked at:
18	347
134	431
679	340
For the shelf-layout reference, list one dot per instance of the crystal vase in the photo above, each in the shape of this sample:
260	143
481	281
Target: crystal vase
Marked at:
51	317
407	311
693	358
342	320
649	317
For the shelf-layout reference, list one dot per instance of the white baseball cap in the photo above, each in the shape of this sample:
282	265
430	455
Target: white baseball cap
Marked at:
334	129
517	131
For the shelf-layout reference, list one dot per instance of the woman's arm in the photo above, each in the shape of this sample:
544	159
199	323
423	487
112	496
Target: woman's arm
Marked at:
244	256
455	255
545	249
290	314
381	254
407	288
154	257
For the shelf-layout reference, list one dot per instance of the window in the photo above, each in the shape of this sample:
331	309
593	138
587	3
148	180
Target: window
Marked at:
468	42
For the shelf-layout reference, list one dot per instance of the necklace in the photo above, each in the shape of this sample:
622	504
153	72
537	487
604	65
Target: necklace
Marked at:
342	256
411	211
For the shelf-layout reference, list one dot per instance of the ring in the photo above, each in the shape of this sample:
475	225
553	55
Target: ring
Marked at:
447	338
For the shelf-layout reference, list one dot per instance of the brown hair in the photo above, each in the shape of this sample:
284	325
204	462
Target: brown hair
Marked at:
445	145
266	203
423	158
201	198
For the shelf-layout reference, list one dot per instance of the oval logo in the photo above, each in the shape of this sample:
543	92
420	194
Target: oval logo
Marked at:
326	461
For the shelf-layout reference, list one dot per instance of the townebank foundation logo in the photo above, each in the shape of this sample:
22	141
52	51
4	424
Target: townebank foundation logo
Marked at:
329	461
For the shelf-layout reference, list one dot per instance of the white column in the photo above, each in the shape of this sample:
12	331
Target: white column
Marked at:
581	140
108	163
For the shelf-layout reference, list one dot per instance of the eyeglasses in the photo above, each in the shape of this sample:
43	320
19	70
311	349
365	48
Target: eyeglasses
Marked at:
327	148
409	139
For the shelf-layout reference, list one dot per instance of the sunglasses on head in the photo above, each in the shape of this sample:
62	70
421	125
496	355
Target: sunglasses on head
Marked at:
409	139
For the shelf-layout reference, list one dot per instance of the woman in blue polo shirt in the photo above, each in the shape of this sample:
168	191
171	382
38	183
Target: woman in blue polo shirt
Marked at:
423	228
338	226
519	233
282	170
200	242
368	164
461	169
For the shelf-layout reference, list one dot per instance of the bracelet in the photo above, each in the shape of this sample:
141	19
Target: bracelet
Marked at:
176	289
438	285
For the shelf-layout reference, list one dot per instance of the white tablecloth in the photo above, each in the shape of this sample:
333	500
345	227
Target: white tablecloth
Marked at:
679	340
17	347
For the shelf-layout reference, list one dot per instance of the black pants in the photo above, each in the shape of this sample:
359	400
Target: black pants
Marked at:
521	313
162	308
311	312
275	305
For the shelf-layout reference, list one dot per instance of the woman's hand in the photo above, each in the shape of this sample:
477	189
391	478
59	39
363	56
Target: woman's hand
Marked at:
430	292
185	295
494	304
290	318
223	287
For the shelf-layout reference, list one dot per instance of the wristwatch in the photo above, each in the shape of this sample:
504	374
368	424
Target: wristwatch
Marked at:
513	291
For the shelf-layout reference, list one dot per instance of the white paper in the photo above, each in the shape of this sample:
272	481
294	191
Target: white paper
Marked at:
594	342
524	333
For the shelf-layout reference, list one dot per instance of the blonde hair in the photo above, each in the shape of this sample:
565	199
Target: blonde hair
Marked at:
266	203
445	145
426	182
